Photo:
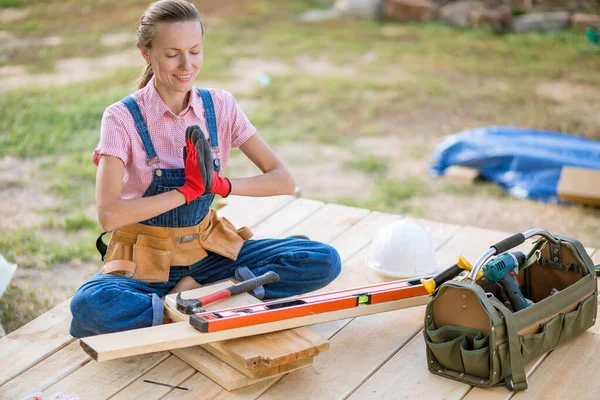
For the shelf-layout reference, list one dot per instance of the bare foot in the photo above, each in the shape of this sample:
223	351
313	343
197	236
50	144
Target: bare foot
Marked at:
185	283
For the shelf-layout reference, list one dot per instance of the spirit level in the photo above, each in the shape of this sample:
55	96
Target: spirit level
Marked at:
302	306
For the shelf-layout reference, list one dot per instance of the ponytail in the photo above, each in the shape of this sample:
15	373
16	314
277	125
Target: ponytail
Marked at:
147	74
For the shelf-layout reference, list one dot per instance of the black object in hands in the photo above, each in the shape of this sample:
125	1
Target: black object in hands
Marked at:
195	134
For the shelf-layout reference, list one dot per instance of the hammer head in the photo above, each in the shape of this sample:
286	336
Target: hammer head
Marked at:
188	306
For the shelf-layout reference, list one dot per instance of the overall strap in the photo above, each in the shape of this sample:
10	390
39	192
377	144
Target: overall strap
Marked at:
211	123
140	124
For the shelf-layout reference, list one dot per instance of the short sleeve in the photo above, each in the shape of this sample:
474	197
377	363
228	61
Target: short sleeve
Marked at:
241	127
114	139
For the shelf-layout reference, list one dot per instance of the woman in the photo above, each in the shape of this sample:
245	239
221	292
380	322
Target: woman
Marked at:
159	161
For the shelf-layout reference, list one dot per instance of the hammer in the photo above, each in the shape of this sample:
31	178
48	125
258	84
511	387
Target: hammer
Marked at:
194	306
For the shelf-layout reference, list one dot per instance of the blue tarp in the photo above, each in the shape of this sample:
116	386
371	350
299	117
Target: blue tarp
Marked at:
525	162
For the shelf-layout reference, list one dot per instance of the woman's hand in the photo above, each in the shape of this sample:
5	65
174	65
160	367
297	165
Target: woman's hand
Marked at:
199	173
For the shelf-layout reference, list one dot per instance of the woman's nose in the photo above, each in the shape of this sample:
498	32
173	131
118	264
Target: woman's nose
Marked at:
186	62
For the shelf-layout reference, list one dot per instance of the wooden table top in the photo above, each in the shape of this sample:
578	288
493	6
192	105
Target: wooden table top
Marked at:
379	356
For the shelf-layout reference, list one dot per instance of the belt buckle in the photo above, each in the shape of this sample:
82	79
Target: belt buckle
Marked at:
186	238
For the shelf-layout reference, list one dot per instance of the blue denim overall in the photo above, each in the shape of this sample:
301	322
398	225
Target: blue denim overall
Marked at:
110	303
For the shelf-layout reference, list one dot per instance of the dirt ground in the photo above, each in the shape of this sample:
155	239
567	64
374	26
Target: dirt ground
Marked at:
319	170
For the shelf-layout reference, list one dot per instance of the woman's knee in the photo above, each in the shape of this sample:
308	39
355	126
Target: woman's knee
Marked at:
324	259
103	307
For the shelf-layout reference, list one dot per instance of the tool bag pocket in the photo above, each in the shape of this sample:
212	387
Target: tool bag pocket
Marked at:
152	257
460	349
472	337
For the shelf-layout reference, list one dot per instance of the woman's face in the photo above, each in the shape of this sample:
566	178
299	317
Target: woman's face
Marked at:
176	56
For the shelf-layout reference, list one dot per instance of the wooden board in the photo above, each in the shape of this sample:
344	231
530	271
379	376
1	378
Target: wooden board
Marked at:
46	373
407	369
172	371
181	334
328	222
35	341
260	353
249	211
287	217
360	235
103	380
224	374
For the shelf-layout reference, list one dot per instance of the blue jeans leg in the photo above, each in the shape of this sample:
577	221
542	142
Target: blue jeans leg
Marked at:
302	265
110	303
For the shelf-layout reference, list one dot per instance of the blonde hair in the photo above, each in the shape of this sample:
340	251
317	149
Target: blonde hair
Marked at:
168	11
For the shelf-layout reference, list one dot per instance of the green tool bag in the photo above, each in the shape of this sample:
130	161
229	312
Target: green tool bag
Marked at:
472	336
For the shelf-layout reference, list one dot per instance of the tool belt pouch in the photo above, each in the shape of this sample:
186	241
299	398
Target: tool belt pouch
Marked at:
151	251
150	257
472	337
219	235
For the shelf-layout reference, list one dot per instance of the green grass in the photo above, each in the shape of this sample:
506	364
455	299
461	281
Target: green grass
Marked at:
369	164
28	249
37	122
19	305
10	3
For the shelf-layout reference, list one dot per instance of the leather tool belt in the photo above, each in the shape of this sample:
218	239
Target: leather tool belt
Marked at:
146	253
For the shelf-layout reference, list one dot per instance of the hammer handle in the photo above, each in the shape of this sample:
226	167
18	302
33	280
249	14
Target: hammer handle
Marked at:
242	287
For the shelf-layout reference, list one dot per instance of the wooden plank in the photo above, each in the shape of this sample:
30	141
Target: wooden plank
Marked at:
46	373
406	374
103	380
222	373
262	372
285	347
356	349
35	341
328	222
285	218
172	371
202	388
249	211
181	334
359	355
261	353
327	329
570	371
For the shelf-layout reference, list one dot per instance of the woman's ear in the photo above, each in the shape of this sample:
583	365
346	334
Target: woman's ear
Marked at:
145	53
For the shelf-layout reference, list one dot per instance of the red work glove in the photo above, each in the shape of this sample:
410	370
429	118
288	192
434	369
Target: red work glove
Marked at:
195	167
220	186
201	166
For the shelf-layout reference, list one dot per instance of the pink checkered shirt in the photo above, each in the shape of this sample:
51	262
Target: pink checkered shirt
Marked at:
119	136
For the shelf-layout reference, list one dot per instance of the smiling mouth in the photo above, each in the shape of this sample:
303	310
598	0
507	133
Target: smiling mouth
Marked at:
183	78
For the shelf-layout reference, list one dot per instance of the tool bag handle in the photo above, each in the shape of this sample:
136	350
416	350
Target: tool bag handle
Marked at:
507	244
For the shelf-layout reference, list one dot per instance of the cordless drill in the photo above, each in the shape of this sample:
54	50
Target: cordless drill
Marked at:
504	268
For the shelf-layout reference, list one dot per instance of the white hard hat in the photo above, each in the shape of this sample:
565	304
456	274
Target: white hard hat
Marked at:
402	249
